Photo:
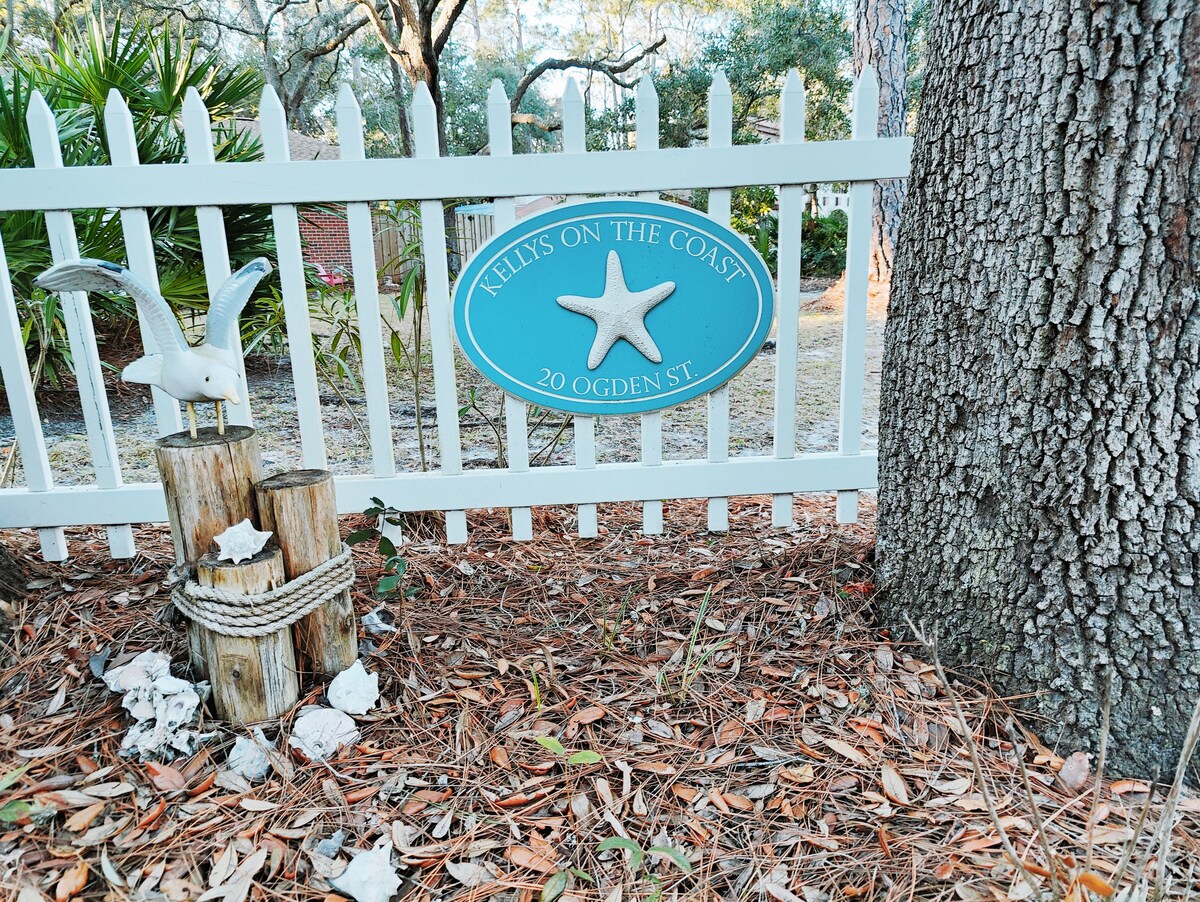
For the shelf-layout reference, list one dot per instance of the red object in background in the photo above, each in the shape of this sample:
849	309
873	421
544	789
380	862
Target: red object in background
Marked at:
332	279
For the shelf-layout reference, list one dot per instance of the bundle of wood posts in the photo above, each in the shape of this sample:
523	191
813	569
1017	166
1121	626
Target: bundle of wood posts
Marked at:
212	482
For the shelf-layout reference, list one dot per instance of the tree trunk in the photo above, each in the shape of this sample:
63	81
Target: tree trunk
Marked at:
12	577
1039	440
401	101
271	73
881	40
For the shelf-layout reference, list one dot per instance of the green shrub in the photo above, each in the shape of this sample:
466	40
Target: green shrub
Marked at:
754	213
152	67
824	242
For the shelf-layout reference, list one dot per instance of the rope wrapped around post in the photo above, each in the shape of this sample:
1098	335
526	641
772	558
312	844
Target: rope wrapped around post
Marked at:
231	614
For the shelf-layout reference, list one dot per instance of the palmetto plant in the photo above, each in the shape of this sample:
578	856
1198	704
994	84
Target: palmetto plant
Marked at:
152	67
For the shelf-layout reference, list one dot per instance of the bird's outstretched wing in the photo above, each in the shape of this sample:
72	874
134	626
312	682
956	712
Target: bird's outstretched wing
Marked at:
100	275
226	305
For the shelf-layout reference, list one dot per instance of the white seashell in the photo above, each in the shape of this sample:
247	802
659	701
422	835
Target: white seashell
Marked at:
249	757
354	690
140	671
369	877
240	542
162	706
319	732
374	624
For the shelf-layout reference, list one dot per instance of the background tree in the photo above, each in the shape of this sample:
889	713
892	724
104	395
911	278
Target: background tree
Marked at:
297	45
881	40
756	50
1040	439
415	35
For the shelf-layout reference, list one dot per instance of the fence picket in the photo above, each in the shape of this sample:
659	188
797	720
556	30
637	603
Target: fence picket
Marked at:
366	293
437	277
214	248
651	423
30	441
504	216
81	334
574	138
720	134
864	118
791	211
139	245
273	122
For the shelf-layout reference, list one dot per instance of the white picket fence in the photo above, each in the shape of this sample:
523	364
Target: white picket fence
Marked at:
357	181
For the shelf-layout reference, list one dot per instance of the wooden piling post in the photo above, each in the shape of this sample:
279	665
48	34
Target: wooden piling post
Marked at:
253	678
209	486
300	508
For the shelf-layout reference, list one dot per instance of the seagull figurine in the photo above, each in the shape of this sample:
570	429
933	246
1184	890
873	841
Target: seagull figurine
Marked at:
206	372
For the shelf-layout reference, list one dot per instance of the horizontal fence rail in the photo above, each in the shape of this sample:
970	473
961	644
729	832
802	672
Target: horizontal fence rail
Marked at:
325	181
428	180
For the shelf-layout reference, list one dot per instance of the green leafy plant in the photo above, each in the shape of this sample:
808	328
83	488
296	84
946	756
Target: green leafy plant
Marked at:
638	861
152	67
823	238
580	758
394	566
824	242
403	219
14	809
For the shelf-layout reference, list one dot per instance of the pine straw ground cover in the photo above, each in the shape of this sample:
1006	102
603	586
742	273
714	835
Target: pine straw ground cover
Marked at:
770	743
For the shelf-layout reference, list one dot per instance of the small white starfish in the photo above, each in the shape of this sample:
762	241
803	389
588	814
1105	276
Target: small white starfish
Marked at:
240	542
619	313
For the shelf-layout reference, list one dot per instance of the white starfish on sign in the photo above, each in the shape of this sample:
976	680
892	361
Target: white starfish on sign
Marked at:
240	542
619	313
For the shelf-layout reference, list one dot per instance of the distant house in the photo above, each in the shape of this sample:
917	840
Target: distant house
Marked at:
324	235
767	129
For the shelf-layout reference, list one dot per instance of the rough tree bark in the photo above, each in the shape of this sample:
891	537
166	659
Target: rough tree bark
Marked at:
1039	443
881	40
12	577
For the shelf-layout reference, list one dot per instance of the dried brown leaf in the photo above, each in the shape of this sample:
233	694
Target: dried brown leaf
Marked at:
165	778
524	857
72	882
894	785
846	750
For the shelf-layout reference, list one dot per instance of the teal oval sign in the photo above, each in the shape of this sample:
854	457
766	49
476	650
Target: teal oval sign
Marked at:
613	307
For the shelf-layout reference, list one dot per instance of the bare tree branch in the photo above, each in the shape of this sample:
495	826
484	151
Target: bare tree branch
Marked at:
188	15
390	44
335	43
546	125
409	16
445	23
611	69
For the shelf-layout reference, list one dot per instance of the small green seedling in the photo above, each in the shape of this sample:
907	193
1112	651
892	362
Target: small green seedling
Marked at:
695	659
556	748
14	809
393	564
610	628
637	860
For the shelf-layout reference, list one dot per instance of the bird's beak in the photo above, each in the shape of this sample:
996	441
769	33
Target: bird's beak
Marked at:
232	397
